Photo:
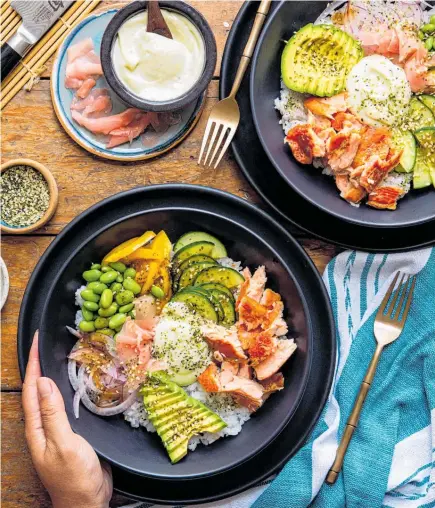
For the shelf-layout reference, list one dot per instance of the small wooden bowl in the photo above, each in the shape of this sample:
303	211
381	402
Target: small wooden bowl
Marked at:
54	196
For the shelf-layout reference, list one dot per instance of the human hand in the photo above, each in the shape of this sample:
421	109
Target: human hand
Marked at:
67	464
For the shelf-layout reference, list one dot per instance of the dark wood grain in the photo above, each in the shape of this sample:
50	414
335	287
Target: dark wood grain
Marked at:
30	129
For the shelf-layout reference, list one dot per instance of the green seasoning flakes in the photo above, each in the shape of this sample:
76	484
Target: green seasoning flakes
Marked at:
24	196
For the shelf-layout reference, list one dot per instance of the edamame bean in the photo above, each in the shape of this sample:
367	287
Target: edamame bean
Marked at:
130	272
132	314
157	292
98	288
101	322
420	35
115	336
428	28
116	287
87	326
124	297
132	285
91	275
95	266
107	331
106	268
110	311
92	306
106	298
89	295
126	308
432	19
109	277
87	314
117	320
118	266
120	278
429	43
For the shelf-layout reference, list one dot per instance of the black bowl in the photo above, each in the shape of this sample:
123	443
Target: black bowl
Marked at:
138	102
416	208
135	449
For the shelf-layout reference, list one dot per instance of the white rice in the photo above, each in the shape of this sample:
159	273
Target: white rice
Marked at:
78	318
78	299
223	405
230	263
396	179
290	105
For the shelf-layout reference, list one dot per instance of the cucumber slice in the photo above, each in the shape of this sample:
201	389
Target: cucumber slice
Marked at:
220	287
183	378
422	172
227	304
426	139
406	141
198	258
428	101
203	248
419	115
198	303
213	299
190	273
223	275
219	250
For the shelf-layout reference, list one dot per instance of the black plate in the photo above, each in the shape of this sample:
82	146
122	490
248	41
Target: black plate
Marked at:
416	208
191	197
266	180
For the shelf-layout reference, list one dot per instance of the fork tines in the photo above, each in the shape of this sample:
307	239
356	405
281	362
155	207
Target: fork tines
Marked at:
389	308
225	130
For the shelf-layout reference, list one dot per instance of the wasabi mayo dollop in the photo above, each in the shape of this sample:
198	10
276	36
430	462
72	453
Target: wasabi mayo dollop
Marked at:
154	67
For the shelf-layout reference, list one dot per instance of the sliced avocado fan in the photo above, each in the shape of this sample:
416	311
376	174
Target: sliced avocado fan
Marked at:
176	416
318	59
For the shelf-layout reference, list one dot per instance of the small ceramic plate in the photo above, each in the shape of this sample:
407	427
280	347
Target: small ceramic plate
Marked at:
4	283
147	145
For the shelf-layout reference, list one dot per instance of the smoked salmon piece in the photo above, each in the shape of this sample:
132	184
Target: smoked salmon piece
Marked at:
224	340
385	197
327	106
83	64
209	379
341	150
264	345
374	141
375	169
273	383
305	144
285	348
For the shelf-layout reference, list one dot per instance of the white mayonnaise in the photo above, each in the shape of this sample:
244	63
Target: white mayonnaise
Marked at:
154	67
379	92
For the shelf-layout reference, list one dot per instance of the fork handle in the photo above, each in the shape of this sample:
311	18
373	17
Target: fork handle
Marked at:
352	422
260	18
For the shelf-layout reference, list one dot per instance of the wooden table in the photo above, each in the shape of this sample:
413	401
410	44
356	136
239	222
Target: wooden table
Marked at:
30	129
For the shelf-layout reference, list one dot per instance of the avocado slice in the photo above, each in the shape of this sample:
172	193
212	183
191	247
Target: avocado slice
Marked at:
175	415
318	59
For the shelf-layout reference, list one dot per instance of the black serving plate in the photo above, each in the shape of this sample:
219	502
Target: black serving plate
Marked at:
136	203
275	190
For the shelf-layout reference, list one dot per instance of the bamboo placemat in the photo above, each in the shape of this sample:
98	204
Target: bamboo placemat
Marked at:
27	72
9	21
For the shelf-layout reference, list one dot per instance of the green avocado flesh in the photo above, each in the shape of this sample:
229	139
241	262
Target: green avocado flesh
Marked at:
176	416
318	59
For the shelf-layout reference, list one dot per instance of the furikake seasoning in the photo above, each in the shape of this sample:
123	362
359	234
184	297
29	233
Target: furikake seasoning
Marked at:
25	196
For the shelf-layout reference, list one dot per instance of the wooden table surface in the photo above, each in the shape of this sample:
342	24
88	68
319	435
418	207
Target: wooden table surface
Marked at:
30	129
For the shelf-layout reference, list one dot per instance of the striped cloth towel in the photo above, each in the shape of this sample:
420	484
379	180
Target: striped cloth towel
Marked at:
391	459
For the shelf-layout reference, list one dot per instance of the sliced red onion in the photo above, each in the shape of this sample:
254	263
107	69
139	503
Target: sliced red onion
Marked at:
72	374
108	411
74	332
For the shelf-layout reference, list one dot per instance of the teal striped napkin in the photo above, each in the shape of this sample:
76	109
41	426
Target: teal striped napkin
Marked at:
391	459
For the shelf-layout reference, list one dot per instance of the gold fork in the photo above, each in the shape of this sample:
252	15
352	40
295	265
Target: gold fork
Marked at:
389	324
225	115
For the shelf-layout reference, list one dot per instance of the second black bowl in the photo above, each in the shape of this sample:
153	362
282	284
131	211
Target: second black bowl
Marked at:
128	96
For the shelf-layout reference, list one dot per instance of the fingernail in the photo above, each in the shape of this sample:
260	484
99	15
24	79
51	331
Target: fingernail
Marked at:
44	387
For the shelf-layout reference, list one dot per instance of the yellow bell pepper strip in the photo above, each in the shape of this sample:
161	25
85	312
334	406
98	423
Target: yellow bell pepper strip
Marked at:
151	274
165	281
162	245
143	253
126	248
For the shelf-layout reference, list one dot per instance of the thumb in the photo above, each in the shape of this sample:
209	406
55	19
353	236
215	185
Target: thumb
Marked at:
53	416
